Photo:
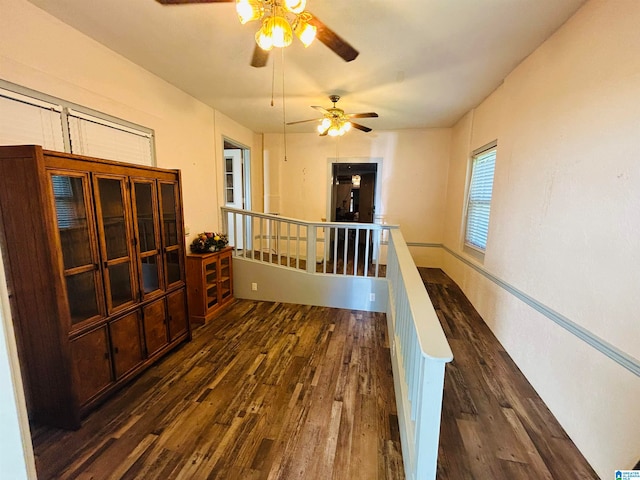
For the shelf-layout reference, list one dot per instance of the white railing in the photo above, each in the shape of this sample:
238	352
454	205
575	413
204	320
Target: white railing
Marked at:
419	352
419	348
339	248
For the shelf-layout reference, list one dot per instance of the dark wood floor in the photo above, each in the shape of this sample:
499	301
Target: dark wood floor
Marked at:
275	391
494	425
266	391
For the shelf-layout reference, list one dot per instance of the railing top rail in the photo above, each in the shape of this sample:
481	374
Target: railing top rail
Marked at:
431	338
372	226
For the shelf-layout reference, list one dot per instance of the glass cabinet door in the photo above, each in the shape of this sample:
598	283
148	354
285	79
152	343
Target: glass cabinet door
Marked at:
171	232
147	227
117	255
75	224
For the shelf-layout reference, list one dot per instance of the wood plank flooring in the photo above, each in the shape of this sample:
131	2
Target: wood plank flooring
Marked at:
275	391
494	425
265	391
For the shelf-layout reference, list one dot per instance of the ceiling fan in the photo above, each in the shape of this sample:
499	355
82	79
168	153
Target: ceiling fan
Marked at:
281	9
335	122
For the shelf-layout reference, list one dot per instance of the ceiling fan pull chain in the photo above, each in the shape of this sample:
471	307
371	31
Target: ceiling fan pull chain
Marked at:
273	81
284	112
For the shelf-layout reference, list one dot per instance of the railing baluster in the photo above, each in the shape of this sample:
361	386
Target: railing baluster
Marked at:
298	246
346	250
288	244
261	239
336	236
377	252
356	248
366	253
311	247
245	240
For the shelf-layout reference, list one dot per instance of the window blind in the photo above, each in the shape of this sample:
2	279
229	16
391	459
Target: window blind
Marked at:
95	137
63	194
479	200
28	121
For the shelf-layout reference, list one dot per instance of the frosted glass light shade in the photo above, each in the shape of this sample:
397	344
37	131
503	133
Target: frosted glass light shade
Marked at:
294	6
249	10
305	32
281	32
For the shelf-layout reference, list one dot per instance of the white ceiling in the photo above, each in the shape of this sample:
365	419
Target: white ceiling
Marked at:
422	63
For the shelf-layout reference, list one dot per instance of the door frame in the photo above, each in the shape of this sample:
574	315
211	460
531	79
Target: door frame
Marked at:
378	217
228	143
246	194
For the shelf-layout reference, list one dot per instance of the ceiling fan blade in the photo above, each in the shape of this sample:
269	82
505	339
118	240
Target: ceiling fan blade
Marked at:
362	115
259	58
179	2
333	41
323	110
304	121
360	127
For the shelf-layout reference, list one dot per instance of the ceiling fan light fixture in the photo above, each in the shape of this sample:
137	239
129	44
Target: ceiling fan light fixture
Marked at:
333	131
263	37
305	31
324	124
281	32
249	10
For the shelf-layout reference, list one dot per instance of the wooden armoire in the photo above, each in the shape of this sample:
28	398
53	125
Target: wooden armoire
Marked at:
94	258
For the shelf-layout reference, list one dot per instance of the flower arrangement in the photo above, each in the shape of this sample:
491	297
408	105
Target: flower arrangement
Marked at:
209	242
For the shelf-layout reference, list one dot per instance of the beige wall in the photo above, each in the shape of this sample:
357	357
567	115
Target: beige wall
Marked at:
412	176
565	227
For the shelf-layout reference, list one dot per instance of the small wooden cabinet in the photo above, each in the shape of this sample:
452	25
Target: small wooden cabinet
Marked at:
94	255
209	284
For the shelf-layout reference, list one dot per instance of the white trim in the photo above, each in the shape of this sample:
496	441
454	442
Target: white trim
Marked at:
30	100
621	358
108	123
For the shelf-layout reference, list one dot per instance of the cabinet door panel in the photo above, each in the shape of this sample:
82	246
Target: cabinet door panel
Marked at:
178	321
151	274
171	233
114	225
77	236
81	295
225	286
155	326
211	281
91	362
126	343
114	221
147	228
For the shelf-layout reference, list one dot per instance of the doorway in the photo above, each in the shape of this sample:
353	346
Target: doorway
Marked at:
353	192
353	198
237	185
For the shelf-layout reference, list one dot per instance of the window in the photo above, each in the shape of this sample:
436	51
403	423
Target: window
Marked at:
28	121
479	198
96	137
28	117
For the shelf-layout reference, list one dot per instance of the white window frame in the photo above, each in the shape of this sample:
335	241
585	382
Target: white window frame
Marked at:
486	152
72	112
